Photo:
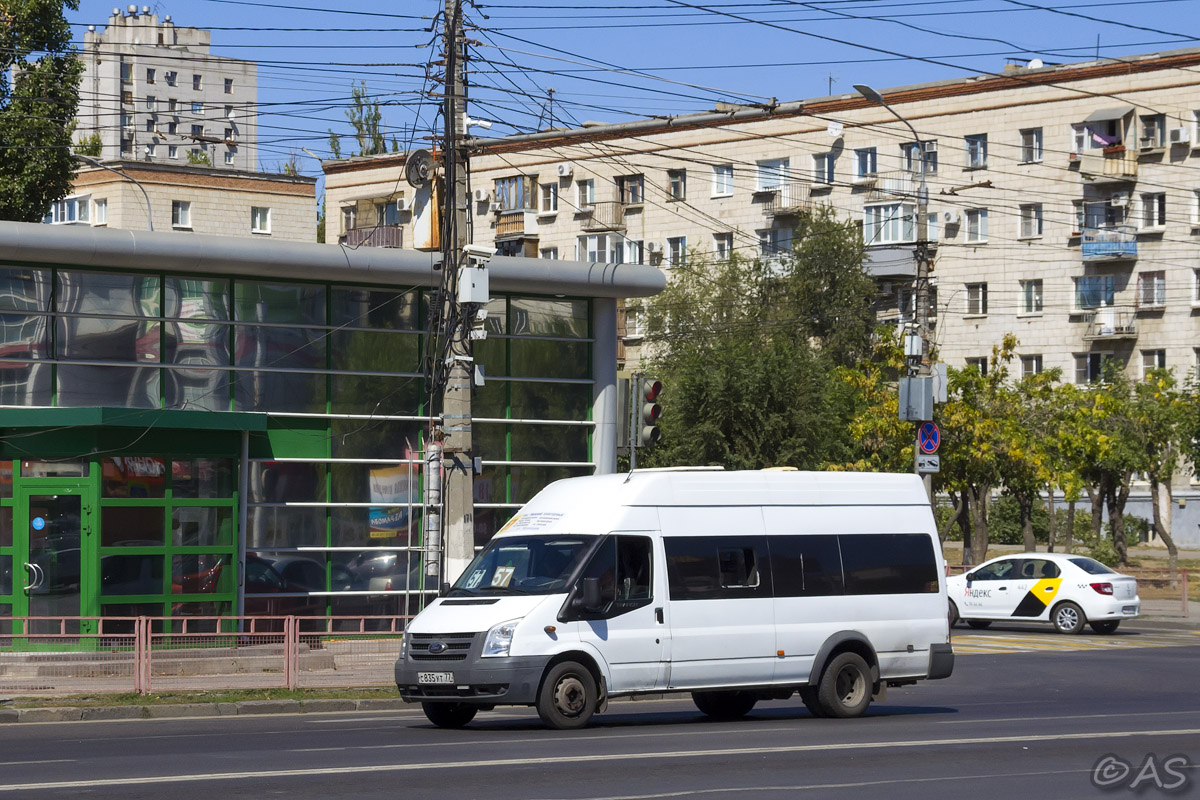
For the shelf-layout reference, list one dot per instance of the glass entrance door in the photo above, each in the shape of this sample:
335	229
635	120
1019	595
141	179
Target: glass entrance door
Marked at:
52	548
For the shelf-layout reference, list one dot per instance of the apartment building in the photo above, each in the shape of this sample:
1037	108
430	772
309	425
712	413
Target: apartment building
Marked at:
1064	201
152	91
190	199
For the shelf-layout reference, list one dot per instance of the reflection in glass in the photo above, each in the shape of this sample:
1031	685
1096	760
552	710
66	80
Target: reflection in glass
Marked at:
131	526
557	317
6	526
269	573
360	438
54	548
183	612
6	578
128	610
133	476
536	358
491	399
100	339
375	308
296	392
288	303
202	477
382	571
490	441
195	344
121	387
200	573
491	485
376	351
25	384
360	527
497	316
387	484
286	527
194	298
107	294
125	575
6	479
369	394
572	401
32	468
23	337
490	354
549	443
528	481
202	527
23	289
286	481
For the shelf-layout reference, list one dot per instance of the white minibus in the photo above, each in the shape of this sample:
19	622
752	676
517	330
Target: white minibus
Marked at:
734	586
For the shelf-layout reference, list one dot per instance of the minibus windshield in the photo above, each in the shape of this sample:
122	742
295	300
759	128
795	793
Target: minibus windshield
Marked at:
523	565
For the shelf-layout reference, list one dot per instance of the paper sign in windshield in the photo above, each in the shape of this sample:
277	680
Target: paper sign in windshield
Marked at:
503	576
534	522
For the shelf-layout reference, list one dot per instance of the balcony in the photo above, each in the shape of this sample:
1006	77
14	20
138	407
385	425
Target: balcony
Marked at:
383	236
1113	243
898	183
1110	165
607	215
1111	323
786	200
516	224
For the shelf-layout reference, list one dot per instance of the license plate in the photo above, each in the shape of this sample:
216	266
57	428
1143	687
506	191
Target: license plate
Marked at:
435	677
1129	609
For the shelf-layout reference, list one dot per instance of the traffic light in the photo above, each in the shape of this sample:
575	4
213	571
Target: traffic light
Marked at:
647	432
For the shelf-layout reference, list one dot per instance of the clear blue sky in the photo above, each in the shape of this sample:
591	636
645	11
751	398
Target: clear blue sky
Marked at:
312	50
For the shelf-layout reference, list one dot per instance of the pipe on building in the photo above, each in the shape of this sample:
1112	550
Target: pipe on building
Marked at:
604	391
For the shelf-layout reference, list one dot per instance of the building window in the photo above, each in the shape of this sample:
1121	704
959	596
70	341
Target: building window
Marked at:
1152	360
151	103
723	246
977	151
197	83
172	105
629	251
72	210
592	248
230	154
171	77
773	241
151	149
260	219
977	224
586	192
100	211
722	181
1031	296
977	301
980	363
635	322
126	121
349	218
1196	287
197	130
892	223
1031	365
197	107
515	193
823	166
676	251
181	214
631	189
1152	289
172	151
549	198
228	135
1089	367
229	86
1154	130
1154	210
228	112
172	128
920	157
1031	145
1196	208
549	253
149	76
772	174
1031	220
676	184
866	162
1093	291
149	124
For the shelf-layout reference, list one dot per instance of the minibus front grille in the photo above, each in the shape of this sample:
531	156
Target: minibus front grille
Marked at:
455	646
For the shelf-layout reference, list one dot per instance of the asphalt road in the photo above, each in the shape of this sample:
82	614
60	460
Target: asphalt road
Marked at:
1006	725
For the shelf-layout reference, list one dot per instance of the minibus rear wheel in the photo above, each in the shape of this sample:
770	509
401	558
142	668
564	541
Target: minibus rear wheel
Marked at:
568	696
724	705
845	687
449	715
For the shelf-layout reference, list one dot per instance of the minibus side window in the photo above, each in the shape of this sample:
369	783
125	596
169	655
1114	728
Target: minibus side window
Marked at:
739	569
623	567
717	567
889	563
806	566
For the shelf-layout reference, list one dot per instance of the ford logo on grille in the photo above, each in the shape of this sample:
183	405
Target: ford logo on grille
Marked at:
437	648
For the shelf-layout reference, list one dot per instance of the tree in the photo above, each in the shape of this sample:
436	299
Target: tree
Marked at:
1164	423
199	158
748	350
883	441
90	146
366	118
1026	460
39	94
335	144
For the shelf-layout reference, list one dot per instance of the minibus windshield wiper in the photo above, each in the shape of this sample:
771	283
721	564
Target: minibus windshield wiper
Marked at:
502	589
457	591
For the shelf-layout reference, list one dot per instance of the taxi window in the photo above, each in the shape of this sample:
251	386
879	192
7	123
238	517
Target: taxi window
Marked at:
1038	568
997	571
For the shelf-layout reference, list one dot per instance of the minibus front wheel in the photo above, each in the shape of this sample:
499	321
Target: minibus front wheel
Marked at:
725	705
449	715
568	696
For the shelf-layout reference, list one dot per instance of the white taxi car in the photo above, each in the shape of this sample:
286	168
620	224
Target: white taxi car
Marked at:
1066	590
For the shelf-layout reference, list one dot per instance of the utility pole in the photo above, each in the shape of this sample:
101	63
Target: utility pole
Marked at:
456	367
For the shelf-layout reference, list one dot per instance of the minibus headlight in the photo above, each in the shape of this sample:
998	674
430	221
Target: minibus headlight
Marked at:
499	639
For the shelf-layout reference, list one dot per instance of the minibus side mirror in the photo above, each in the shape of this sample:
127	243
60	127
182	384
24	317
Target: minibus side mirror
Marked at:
445	589
592	602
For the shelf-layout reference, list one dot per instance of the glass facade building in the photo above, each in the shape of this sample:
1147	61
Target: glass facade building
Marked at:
195	443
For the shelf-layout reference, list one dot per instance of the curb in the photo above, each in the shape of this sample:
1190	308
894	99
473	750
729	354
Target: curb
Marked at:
243	708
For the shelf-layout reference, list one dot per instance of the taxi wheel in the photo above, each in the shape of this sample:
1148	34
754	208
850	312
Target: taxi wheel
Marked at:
568	696
952	616
724	705
449	715
1069	619
1105	627
979	623
845	688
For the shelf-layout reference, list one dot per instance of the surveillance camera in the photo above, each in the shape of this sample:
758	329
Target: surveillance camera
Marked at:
479	252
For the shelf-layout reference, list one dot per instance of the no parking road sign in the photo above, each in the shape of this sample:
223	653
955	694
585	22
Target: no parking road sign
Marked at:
929	437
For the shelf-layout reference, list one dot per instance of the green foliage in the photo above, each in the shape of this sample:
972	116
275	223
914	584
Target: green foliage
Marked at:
199	158
90	146
366	119
321	222
1005	521
39	93
749	352
335	144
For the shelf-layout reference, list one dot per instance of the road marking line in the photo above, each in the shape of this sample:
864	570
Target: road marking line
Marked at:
599	757
1073	716
43	761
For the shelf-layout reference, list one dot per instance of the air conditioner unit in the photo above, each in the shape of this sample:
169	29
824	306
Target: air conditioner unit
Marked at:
565	170
1119	200
930	147
1181	135
950	217
403	204
493	207
482	195
654	248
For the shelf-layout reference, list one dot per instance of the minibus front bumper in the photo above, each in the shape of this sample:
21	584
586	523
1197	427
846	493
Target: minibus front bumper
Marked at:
476	680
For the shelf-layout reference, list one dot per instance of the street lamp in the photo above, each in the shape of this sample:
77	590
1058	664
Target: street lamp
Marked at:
95	163
921	255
